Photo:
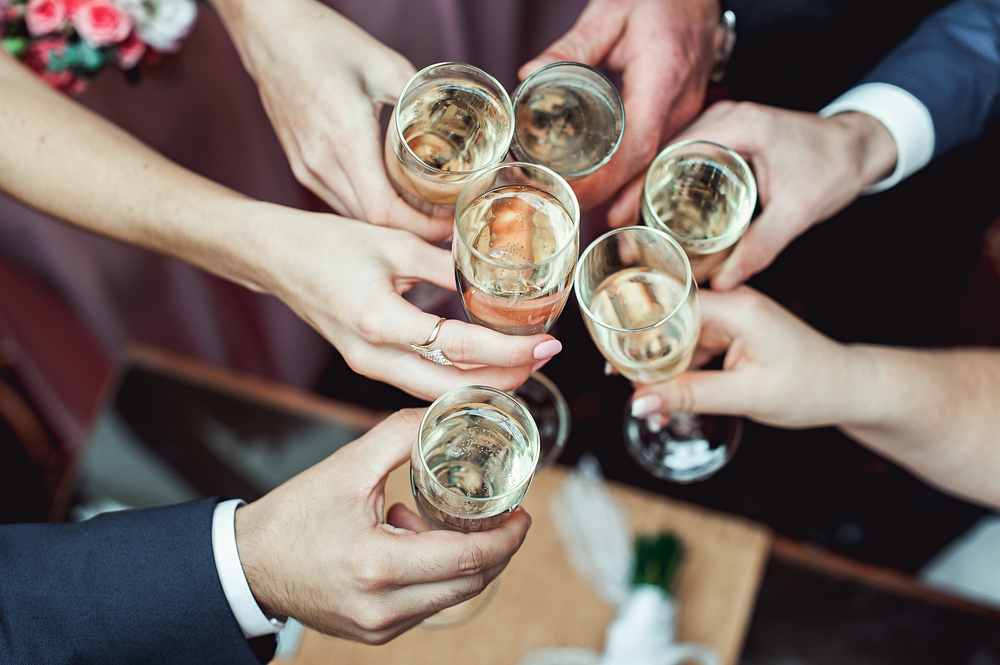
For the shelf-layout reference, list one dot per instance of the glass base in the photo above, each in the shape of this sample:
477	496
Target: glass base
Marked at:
687	449
550	411
456	615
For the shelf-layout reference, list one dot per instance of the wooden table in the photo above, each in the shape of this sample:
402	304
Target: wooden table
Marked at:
541	602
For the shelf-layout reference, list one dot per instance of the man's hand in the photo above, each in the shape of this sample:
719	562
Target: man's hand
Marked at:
318	549
323	82
664	51
807	168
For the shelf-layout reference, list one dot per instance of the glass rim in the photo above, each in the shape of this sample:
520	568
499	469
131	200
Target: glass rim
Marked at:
734	233
575	214
532	436
617	97
585	306
505	102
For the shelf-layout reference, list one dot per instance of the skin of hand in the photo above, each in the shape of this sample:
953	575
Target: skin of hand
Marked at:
323	91
807	169
318	548
664	51
344	277
933	411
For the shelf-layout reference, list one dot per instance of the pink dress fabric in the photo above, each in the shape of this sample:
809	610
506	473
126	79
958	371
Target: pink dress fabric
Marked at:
206	115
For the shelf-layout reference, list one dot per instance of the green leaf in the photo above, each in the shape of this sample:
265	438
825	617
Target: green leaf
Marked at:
16	46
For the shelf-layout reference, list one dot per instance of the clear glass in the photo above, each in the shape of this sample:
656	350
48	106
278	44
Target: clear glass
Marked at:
703	195
515	247
640	304
452	121
568	117
473	460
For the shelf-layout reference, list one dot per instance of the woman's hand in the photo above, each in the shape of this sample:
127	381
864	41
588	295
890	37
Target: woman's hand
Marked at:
346	279
323	82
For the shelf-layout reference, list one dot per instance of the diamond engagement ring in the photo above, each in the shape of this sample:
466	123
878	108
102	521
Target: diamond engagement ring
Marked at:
434	355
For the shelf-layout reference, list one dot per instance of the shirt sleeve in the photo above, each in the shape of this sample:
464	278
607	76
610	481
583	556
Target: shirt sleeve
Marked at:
907	119
248	614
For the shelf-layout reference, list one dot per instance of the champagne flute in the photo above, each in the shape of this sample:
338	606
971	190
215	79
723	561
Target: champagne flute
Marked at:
568	117
703	195
452	121
473	460
640	304
515	245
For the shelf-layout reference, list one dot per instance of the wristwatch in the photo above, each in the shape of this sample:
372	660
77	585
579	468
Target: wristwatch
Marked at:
725	40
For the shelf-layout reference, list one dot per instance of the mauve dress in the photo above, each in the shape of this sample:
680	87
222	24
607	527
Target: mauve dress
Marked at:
207	116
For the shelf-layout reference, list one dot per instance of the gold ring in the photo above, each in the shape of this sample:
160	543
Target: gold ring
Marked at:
434	355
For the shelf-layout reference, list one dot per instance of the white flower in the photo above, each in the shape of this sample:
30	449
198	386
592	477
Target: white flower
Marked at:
161	23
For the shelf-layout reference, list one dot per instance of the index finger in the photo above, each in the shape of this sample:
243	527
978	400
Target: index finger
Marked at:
434	556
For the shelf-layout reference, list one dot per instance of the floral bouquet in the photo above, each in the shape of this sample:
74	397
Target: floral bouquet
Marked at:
66	42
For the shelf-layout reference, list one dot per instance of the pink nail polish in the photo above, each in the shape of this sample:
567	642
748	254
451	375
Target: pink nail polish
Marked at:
646	405
547	349
540	364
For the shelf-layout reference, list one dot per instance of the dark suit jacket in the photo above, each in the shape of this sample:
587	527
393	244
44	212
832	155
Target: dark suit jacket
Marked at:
137	586
951	63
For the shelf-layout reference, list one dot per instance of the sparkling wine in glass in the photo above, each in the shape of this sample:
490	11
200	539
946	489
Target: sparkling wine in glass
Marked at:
703	195
473	459
515	247
452	120
640	304
568	117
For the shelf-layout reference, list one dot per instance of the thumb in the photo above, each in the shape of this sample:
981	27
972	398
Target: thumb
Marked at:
389	444
765	238
588	41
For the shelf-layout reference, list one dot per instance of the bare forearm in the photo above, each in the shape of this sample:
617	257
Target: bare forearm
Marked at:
62	159
937	413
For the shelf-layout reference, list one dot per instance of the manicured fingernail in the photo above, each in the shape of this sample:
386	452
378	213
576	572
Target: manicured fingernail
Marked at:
608	368
540	364
646	405
534	65
656	422
547	349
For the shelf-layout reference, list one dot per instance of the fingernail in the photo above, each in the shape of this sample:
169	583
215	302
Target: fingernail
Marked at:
547	349
540	364
656	422
608	368
646	405
533	66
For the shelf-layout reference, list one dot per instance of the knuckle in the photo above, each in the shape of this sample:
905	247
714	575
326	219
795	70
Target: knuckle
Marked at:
371	326
376	620
462	348
473	559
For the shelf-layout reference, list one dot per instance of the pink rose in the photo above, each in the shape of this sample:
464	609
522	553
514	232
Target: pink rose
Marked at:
130	51
72	6
45	16
101	23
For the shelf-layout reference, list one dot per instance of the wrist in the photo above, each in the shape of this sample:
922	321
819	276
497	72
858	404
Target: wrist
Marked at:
869	142
254	560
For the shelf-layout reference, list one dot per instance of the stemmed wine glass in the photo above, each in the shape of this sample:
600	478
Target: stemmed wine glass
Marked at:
472	462
703	195
452	120
640	304
568	117
515	245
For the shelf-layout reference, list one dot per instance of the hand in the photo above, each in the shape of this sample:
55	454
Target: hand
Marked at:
346	279
807	169
323	82
664	51
777	370
318	549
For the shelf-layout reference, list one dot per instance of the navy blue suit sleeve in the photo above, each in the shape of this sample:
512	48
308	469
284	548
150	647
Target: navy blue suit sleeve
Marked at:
137	586
951	63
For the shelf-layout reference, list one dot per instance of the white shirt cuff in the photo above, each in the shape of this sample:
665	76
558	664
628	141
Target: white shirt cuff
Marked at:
252	621
906	118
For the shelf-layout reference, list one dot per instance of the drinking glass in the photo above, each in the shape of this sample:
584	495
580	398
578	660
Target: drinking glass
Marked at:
703	195
475	455
568	117
640	304
515	245
452	120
